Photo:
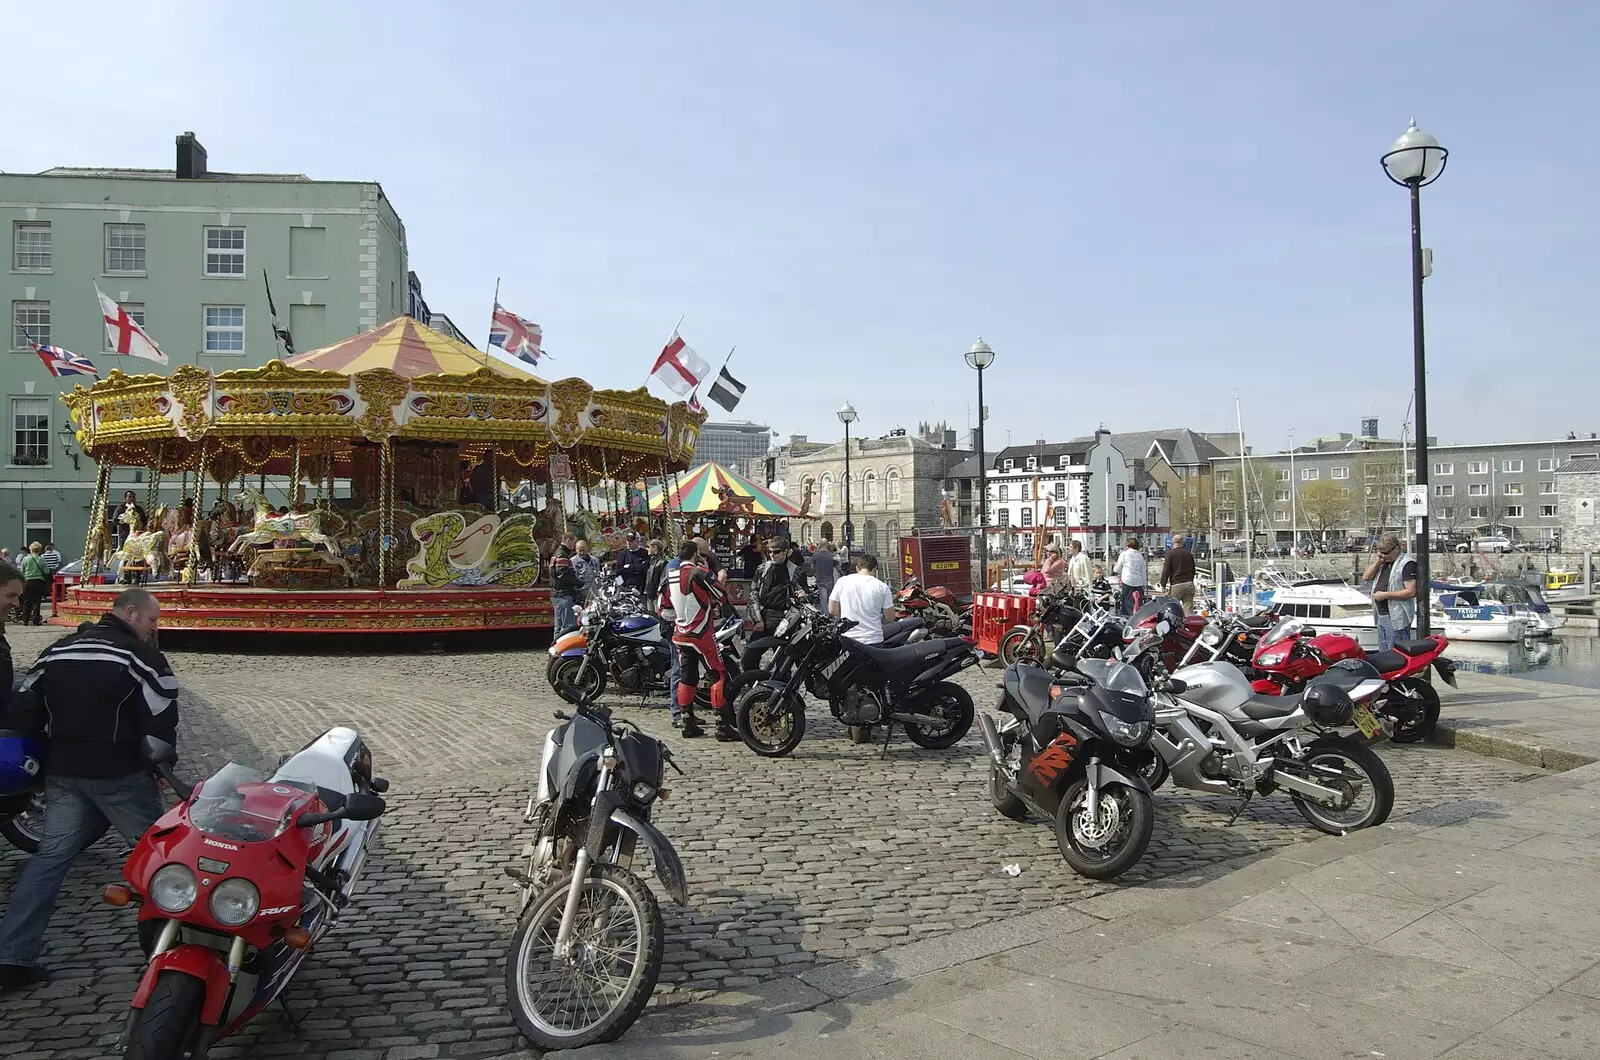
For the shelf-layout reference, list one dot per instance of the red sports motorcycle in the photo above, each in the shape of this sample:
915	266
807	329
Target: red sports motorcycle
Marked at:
235	884
938	608
1293	652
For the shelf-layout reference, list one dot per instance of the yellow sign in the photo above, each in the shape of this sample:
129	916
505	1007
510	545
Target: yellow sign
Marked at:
944	566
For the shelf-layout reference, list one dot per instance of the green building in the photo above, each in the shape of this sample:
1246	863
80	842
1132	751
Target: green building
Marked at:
184	251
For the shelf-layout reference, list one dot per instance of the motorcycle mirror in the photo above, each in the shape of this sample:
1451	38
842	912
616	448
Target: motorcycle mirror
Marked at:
1177	686
359	806
157	752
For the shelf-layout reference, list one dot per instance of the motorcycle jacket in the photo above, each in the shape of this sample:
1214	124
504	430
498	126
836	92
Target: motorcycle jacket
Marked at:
692	594
96	694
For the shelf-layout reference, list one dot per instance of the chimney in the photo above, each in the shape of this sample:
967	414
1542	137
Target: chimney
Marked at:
949	438
191	158
1369	427
972	439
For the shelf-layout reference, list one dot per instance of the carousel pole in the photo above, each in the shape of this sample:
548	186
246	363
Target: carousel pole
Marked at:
191	568
386	513
97	520
294	481
152	496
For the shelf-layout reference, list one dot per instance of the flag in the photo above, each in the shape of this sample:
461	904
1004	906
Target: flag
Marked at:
518	337
679	368
281	334
124	335
694	402
727	390
61	362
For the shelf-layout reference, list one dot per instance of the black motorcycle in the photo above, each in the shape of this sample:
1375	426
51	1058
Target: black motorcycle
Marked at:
1076	748
864	686
588	947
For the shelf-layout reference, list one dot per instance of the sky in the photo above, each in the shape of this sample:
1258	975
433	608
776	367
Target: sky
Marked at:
1146	208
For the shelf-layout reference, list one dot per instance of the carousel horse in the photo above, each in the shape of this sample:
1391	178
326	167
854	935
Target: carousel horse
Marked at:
141	546
268	528
729	501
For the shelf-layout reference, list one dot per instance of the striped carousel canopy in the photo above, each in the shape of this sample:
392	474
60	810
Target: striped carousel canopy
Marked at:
408	347
706	489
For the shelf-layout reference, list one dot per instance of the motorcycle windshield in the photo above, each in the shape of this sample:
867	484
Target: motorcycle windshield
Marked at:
247	806
1148	612
1114	676
1285	629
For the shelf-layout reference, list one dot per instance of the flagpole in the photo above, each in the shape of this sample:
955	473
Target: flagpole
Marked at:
492	312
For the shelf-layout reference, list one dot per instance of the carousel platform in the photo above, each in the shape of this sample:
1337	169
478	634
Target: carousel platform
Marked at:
216	608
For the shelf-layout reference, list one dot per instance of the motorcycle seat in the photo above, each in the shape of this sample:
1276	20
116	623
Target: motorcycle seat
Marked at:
1416	647
1261	621
1387	662
1265	708
906	656
895	633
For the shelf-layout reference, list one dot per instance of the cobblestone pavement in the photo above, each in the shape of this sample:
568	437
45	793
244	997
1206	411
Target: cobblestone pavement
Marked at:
826	855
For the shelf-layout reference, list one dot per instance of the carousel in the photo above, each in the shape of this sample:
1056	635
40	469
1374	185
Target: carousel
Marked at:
723	507
421	485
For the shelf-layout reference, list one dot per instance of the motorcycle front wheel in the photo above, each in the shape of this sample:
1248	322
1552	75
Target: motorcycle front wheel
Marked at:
1104	848
1365	786
595	992
1420	701
25	829
564	679
170	1020
769	725
1021	644
946	700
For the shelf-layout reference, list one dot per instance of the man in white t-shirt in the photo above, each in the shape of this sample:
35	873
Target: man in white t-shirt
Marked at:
865	599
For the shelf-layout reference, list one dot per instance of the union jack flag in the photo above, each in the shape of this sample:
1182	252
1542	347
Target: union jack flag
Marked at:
61	362
518	337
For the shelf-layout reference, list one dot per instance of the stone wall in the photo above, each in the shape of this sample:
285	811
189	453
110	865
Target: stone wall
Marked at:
1571	487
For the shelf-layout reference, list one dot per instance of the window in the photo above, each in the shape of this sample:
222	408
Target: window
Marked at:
1033	463
30	246
1224	478
891	487
225	252
125	249
1122	516
1447	512
1513	489
1059	514
1283	497
1341	472
1005	493
30	431
135	311
1059	492
1547	464
1511	467
1547	511
1582	456
1547	488
1027	517
1477	467
1228	517
37	526
1119	492
1444	469
224	329
1477	511
1513	511
30	319
1007	465
1281	517
1283	474
869	488
1003	518
1478	489
1444	491
1310	474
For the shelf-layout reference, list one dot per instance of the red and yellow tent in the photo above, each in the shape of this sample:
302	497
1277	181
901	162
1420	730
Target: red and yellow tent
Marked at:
712	488
410	349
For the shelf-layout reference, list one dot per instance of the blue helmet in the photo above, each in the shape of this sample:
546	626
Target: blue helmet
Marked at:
21	761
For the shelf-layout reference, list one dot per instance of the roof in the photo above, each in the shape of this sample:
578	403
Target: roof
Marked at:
1020	453
408	347
1180	446
172	174
698	492
968	468
1583	465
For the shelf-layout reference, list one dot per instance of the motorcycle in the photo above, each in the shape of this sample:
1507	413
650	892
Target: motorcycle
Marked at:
864	686
617	639
1075	750
237	882
22	790
588	945
938	608
1029	642
1294	653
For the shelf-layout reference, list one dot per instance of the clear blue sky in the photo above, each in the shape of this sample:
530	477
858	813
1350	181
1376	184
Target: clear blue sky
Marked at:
1142	206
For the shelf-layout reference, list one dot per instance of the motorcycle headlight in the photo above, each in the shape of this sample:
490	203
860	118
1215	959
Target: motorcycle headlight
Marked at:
1211	638
1273	658
235	902
173	888
643	792
1127	733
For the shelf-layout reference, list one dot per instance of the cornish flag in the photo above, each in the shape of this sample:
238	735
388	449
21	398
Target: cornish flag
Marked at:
727	390
61	362
518	337
124	335
679	368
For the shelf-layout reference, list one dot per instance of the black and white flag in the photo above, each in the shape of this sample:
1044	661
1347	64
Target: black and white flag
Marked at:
727	390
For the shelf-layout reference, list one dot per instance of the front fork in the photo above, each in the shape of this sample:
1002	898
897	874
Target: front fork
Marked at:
580	867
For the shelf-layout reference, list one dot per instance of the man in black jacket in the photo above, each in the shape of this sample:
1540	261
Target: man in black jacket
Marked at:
96	694
633	563
775	584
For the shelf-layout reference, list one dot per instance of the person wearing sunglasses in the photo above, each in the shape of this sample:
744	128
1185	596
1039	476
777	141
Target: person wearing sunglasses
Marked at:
1393	576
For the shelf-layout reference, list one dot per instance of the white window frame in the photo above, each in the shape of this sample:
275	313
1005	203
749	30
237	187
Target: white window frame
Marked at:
1059	514
1547	489
1477	467
1547	463
1444	469
1512	489
1004	495
1027	517
1310	474
48	253
1007	464
1444	490
221	253
1340	473
135	311
41	332
1547	511
1283	474
1511	467
1478	489
39	403
131	228
1033	463
1477	511
1513	511
207	329
891	487
1282	497
30	524
869	488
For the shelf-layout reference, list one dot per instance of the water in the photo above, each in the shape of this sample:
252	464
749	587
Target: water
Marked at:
1567	660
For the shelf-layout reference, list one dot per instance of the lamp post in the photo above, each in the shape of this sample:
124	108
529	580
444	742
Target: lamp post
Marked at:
69	443
980	356
1415	161
847	416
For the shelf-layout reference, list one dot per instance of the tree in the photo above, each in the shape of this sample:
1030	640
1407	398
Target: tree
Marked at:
1326	505
1190	499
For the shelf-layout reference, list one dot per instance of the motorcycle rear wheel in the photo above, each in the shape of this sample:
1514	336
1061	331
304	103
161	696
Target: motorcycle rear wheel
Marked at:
950	701
767	725
1124	809
1005	803
563	678
619	934
170	1021
25	830
1425	702
1363	763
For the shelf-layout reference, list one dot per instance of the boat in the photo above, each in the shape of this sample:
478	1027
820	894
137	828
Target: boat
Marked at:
1560	583
1462	614
1521	598
1329	604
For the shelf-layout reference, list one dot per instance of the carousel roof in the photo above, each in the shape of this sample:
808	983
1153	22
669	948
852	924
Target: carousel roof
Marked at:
408	348
697	492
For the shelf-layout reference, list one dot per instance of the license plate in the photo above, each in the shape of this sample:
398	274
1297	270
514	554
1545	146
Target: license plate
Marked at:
1367	722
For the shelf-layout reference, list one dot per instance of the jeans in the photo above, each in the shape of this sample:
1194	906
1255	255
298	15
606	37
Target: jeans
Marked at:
76	810
824	590
1132	597
1389	635
672	679
566	613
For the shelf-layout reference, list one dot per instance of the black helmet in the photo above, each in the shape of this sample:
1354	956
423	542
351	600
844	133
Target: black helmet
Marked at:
1172	612
1328	704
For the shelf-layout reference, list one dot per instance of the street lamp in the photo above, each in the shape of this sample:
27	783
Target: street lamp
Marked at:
1415	161
69	443
980	356
847	416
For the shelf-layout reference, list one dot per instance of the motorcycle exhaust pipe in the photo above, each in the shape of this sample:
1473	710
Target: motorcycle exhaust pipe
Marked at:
920	719
991	740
